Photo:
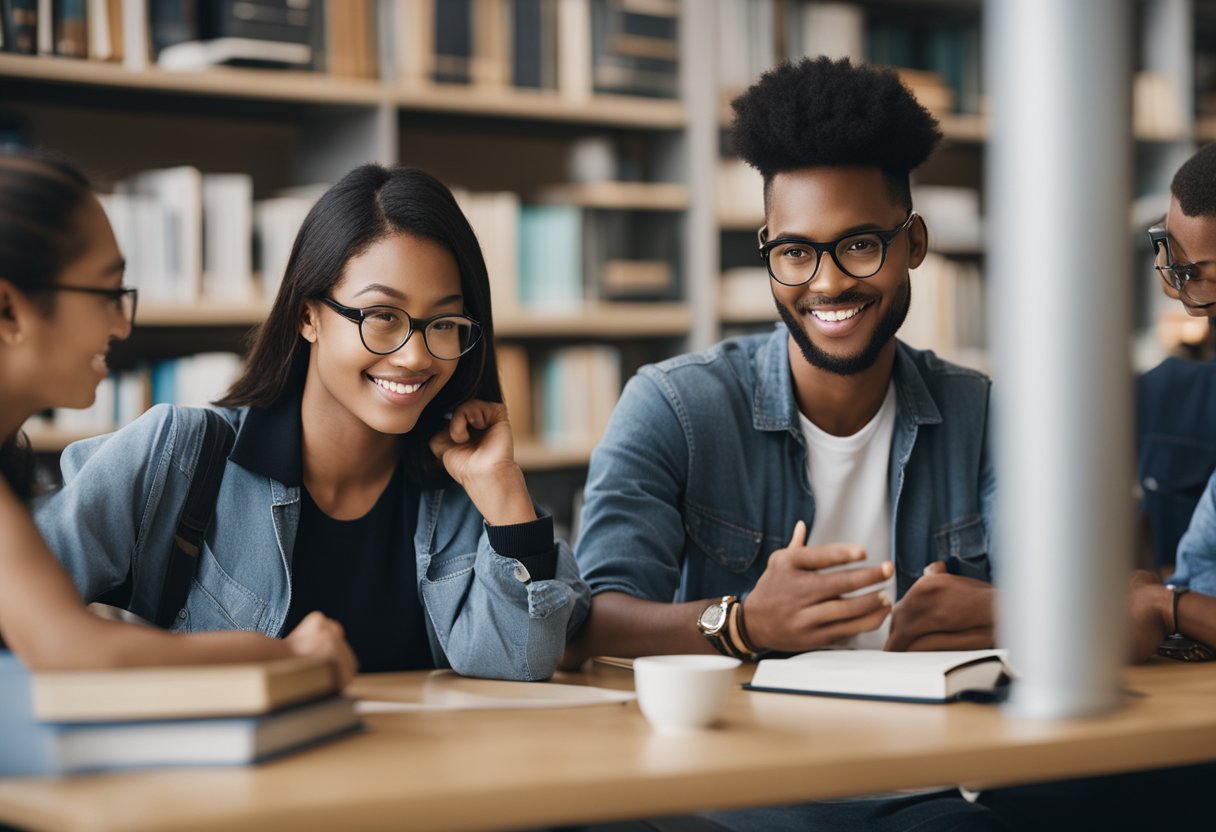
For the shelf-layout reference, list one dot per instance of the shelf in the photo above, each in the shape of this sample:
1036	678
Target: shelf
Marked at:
53	440
224	82
533	456
1205	129
740	222
963	127
742	315
322	88
542	105
624	196
202	313
596	320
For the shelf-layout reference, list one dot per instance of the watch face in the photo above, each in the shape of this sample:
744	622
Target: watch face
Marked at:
713	618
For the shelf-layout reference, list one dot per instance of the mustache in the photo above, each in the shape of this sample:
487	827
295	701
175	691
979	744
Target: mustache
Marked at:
849	296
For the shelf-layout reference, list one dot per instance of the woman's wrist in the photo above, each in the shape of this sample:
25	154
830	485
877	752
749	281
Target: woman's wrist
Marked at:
502	496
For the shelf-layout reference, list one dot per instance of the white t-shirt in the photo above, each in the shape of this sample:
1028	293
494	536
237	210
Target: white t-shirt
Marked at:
849	478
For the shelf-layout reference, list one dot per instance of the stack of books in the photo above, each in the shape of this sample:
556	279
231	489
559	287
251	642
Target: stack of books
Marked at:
65	722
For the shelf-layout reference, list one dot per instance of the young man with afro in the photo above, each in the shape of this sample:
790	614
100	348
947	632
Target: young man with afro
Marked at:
824	484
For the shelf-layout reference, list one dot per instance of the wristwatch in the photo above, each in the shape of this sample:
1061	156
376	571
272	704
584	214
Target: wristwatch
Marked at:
713	622
1178	592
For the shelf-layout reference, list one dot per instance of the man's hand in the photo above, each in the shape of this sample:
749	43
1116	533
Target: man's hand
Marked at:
943	612
794	607
1150	608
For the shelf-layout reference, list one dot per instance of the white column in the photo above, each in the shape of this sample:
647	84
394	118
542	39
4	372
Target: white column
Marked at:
1059	253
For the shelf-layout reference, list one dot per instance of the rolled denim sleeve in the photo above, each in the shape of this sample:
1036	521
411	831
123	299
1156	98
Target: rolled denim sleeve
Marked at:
632	531
1197	549
490	616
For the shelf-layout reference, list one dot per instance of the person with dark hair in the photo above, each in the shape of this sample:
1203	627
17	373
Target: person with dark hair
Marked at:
775	486
62	303
1177	409
373	473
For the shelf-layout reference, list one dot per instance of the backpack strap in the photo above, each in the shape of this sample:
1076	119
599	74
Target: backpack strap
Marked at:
192	523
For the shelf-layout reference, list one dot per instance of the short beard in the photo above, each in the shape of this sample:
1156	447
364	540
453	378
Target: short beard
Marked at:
847	365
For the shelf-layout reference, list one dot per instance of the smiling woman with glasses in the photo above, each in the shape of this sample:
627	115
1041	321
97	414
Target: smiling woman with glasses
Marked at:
61	305
373	474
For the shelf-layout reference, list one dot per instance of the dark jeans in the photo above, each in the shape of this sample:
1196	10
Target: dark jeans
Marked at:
1169	799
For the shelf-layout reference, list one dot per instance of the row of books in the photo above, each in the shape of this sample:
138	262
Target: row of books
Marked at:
66	722
563	398
558	256
189	235
943	56
193	381
576	46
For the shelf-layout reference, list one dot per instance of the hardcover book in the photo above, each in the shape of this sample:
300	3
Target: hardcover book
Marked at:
933	677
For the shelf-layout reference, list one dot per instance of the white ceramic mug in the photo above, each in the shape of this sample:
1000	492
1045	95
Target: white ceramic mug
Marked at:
683	693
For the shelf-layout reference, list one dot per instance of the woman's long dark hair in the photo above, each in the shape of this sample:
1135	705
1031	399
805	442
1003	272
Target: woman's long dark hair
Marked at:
371	203
40	236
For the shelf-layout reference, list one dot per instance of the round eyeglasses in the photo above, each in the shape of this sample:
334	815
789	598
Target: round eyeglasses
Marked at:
793	261
385	329
1186	278
122	300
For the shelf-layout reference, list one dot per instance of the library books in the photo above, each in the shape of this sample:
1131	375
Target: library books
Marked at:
65	722
242	689
929	677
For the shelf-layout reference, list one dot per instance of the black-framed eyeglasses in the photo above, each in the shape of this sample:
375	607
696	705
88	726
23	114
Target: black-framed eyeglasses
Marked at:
123	299
793	261
385	329
1186	278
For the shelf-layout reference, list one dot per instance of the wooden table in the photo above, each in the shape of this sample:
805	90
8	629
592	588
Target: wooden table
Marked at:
503	769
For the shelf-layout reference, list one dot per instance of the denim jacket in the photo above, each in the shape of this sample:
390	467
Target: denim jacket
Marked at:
702	473
117	511
1197	549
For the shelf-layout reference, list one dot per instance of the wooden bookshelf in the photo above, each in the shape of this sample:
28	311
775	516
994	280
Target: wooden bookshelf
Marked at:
1205	130
202	313
597	320
624	196
541	105
220	82
533	456
53	440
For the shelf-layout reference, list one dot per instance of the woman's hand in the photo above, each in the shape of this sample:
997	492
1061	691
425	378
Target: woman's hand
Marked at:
478	452
319	636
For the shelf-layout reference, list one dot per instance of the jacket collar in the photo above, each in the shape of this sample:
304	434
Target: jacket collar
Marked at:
270	441
775	407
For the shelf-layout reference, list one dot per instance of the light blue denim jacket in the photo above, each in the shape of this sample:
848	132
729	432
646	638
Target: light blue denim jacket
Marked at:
1196	566
702	473
118	509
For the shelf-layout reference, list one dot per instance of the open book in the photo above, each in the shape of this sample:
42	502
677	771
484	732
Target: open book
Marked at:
876	674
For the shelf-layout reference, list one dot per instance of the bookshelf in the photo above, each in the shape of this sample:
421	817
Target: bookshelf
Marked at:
293	128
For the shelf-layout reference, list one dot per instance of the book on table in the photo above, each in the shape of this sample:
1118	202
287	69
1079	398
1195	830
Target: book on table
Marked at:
243	689
932	677
68	722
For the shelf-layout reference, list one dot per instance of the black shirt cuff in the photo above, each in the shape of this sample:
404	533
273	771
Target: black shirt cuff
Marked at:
529	543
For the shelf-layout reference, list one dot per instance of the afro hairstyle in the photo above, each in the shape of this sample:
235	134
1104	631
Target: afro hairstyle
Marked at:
819	112
1194	184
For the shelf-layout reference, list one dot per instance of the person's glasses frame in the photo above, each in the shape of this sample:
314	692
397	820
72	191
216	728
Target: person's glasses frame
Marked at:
124	298
360	314
886	236
1182	276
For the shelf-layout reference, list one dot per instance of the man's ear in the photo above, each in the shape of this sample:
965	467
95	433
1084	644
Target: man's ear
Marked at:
14	307
918	242
308	321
